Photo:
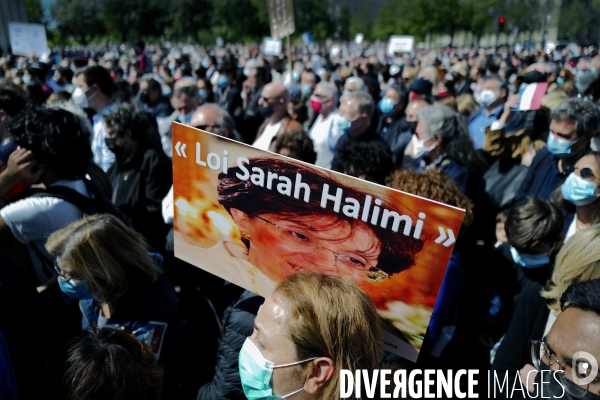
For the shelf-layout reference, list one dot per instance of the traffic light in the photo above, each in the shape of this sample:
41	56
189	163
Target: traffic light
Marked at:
501	22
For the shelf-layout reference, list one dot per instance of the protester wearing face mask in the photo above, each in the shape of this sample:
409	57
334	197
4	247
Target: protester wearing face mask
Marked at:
492	95
442	141
393	126
228	92
119	285
308	83
407	159
94	90
538	309
141	175
152	101
553	372
185	101
293	353
534	231
273	107
354	120
579	194
573	123
324	132
252	89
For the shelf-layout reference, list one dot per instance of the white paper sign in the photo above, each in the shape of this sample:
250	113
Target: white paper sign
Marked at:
401	44
26	38
272	47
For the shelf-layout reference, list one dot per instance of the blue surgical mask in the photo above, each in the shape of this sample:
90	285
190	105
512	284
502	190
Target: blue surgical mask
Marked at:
256	372
560	81
295	76
578	191
222	81
558	147
202	93
246	72
344	124
166	91
386	105
75	289
346	91
529	260
306	90
26	79
185	119
205	63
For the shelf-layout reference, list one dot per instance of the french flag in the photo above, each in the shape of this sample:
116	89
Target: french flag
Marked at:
531	95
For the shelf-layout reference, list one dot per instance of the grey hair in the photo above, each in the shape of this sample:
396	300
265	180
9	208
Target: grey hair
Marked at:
450	127
224	120
501	82
551	67
363	100
358	83
331	90
585	113
190	91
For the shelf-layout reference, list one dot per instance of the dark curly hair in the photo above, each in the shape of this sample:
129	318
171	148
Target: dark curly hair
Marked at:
128	117
398	251
299	143
56	138
369	157
12	101
434	185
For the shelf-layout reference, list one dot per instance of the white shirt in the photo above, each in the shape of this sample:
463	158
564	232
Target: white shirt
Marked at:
33	219
168	210
572	229
325	135
264	140
103	157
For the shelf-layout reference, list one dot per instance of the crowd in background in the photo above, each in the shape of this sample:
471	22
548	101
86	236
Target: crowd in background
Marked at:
87	210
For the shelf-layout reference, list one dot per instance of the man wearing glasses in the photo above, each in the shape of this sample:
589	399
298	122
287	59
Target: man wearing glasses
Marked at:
324	132
215	119
564	363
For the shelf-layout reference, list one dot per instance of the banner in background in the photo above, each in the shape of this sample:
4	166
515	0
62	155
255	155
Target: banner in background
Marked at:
281	18
26	38
253	218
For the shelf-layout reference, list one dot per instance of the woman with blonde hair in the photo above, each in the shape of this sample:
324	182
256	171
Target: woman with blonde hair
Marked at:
537	309
107	267
310	328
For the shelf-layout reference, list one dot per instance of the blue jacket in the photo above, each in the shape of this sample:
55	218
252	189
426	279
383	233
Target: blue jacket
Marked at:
457	173
543	177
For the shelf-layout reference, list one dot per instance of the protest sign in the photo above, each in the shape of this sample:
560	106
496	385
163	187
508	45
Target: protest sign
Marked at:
272	47
281	18
26	38
253	218
400	44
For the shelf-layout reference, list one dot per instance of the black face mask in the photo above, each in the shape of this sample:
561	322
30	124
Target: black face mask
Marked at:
552	388
111	144
411	126
265	112
145	97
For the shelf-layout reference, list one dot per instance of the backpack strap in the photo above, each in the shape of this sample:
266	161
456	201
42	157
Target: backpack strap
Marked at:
85	204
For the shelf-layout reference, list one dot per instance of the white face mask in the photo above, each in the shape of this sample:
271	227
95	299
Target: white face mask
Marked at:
595	143
419	147
79	98
487	97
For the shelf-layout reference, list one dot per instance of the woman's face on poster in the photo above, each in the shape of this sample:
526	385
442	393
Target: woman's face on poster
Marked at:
282	244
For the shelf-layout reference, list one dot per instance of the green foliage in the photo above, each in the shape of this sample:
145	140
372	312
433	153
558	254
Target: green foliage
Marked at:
188	18
35	11
77	19
577	18
361	23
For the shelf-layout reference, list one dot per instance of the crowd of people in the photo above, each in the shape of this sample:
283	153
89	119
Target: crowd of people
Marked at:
86	217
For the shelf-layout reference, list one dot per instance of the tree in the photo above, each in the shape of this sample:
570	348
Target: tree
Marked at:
361	23
77	18
35	11
188	17
238	21
128	19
